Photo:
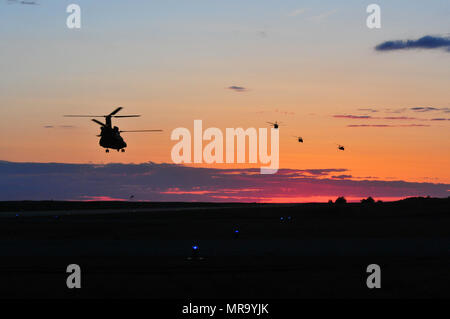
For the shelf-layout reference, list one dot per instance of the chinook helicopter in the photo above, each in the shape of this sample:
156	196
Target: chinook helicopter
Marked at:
275	125
110	136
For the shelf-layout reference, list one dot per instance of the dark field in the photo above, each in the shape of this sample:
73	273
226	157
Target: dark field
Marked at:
141	250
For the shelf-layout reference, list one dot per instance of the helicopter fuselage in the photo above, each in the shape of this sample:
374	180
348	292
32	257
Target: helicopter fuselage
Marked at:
110	138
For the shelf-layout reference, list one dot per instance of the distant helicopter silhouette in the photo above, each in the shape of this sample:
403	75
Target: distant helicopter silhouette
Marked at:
340	147
299	138
275	125
110	136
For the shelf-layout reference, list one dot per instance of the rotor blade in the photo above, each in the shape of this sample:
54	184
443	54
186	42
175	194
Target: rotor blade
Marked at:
270	123
83	115
141	131
98	122
115	111
126	116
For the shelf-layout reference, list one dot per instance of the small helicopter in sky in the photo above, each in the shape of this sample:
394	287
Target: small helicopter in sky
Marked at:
299	138
110	136
340	147
275	125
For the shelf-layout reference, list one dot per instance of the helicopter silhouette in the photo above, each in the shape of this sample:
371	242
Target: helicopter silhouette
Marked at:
275	125
110	137
340	147
299	138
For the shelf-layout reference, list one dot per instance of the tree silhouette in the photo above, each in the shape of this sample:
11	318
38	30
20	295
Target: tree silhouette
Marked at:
341	200
368	200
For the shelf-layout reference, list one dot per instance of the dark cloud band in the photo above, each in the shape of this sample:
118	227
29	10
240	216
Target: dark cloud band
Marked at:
426	42
170	182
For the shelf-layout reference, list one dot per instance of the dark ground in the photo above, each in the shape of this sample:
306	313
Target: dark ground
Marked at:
140	250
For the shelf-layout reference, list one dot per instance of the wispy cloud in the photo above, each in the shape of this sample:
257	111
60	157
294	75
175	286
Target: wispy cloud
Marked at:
369	117
322	16
343	176
430	109
296	12
398	110
426	42
59	126
284	112
368	110
23	2
424	109
399	118
369	125
421	109
170	182
347	116
387	125
237	88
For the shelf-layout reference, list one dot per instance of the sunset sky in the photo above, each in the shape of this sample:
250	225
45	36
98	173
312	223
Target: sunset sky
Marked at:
314	66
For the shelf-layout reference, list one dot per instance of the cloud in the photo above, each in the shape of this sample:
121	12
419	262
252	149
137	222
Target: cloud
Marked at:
352	116
421	109
430	109
400	110
424	109
373	110
237	88
343	176
170	182
368	117
59	126
388	125
368	110
31	3
370	125
414	125
296	12
322	16
417	109
284	112
321	172
398	118
426	42
23	2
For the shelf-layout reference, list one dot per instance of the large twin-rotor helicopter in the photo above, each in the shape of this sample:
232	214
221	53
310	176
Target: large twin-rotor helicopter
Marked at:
110	135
